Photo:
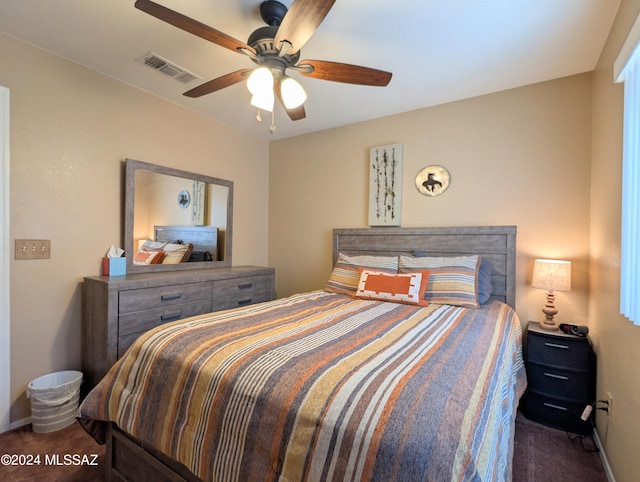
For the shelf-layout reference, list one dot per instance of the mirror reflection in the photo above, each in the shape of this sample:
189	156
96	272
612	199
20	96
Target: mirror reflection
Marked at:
175	219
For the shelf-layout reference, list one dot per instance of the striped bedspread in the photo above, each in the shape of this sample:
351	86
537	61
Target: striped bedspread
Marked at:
321	386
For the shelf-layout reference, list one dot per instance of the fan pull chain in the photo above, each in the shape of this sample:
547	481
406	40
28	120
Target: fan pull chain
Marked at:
272	127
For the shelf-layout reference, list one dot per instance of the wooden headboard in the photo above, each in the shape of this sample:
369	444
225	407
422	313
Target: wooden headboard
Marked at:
203	238
495	243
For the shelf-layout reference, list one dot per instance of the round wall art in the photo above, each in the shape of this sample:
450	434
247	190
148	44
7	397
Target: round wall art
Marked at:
433	180
184	199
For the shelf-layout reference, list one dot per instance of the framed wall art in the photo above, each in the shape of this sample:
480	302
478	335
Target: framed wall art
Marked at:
433	180
385	185
184	199
197	213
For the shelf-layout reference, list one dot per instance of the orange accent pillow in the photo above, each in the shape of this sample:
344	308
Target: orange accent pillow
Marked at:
148	257
406	288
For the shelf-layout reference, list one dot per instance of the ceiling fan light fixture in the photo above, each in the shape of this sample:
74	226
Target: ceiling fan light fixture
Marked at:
263	100
260	81
277	48
293	95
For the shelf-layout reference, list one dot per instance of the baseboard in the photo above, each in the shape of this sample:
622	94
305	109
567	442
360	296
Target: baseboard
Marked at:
603	457
20	423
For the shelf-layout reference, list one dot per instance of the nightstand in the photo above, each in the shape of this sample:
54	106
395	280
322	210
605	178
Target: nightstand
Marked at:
561	377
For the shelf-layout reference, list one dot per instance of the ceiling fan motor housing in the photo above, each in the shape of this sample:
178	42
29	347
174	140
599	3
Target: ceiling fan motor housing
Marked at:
272	12
262	42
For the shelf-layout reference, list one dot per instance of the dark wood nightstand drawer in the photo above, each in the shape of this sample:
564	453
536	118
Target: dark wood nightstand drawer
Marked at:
569	384
555	412
558	351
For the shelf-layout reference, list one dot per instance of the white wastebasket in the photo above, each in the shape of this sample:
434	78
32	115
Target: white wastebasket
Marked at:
54	400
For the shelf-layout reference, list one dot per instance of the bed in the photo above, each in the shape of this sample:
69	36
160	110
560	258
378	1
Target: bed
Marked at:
328	385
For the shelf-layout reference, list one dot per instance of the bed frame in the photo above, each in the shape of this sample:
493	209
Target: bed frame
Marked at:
131	460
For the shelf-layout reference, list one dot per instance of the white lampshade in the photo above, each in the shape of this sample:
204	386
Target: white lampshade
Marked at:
260	81
551	274
293	95
263	100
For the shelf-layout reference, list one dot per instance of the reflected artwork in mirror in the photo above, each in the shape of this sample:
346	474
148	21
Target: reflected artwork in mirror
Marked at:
176	220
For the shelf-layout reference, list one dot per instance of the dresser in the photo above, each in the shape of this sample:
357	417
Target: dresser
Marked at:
561	377
116	310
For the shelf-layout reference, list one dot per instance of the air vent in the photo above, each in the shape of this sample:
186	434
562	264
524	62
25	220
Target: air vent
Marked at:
170	69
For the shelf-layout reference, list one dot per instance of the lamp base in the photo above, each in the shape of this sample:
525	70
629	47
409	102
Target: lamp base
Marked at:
549	311
549	326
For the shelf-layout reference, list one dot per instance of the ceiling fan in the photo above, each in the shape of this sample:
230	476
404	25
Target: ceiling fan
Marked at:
276	49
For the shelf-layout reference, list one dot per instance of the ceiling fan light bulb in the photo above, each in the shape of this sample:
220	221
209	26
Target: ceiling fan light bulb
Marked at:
263	101
293	95
260	80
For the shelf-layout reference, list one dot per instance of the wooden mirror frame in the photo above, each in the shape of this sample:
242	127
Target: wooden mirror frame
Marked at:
130	170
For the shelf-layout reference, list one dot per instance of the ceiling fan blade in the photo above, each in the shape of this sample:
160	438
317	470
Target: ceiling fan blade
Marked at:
346	73
192	26
300	22
218	84
294	114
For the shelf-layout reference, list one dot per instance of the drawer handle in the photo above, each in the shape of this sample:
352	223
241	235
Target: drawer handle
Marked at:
173	296
557	407
555	345
553	375
171	317
244	302
245	286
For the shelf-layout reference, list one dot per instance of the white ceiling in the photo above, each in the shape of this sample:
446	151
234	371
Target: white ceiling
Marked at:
438	50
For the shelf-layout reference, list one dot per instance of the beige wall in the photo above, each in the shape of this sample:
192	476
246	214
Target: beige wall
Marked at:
71	130
617	340
519	157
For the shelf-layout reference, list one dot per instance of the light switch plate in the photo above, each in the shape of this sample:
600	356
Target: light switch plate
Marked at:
33	249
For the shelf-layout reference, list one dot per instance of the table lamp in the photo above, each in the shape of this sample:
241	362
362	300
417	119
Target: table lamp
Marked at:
551	275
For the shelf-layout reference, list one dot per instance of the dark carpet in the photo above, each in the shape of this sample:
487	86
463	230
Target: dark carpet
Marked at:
546	454
541	454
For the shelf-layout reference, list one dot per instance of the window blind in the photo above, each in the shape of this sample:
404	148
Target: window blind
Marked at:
629	73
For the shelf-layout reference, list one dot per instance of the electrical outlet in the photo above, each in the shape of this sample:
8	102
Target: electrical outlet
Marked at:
610	407
33	249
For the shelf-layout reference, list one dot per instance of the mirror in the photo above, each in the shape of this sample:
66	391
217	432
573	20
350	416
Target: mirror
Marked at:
168	205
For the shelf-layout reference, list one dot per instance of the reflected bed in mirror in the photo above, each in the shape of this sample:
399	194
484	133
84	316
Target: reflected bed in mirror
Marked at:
187	217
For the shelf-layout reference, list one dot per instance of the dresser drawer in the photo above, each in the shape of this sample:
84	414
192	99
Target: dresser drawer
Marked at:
140	321
242	286
555	412
573	385
557	351
239	299
148	298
